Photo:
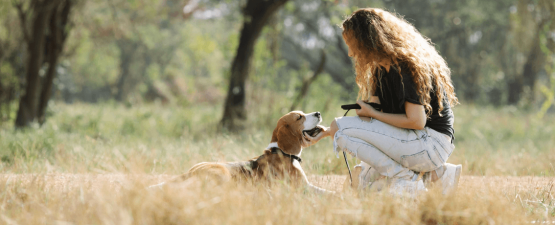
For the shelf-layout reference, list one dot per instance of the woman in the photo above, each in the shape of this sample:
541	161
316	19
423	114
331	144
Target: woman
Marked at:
401	70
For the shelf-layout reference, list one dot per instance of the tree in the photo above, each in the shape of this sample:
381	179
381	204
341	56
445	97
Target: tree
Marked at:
530	17
11	66
318	20
256	14
308	81
55	42
135	44
44	27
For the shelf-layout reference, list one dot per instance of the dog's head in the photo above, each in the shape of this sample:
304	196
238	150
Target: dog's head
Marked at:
290	129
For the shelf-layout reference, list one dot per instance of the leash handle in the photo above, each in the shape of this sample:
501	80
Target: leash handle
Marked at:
357	106
348	167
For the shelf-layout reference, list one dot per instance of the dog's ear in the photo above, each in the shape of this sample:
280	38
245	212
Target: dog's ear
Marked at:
288	139
275	135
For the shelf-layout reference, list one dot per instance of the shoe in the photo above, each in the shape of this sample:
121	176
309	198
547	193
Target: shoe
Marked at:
450	178
406	188
369	178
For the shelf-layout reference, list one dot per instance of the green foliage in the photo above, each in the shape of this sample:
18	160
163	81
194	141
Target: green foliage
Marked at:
96	64
549	93
198	48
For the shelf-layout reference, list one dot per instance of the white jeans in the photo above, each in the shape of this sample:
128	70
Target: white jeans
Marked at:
393	152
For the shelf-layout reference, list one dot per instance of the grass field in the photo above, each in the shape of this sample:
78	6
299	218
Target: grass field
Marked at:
90	164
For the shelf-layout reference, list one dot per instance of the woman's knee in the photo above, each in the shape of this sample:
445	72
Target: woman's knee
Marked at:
333	128
343	122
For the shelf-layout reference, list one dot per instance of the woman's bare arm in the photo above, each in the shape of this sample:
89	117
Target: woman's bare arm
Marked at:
330	131
415	117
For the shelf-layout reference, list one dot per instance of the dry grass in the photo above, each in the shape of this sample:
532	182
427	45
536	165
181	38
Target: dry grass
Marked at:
123	199
90	164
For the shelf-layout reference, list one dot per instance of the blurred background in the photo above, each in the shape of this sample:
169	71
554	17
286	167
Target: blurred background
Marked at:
190	52
145	89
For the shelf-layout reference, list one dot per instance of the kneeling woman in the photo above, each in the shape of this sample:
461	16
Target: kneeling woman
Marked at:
401	70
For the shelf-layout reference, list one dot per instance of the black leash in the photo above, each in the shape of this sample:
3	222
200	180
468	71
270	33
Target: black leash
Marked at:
348	108
345	157
349	168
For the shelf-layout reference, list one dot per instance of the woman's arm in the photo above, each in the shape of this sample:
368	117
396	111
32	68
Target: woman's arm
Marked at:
415	117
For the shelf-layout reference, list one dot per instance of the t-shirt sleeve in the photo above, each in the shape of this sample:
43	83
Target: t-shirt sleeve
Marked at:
409	90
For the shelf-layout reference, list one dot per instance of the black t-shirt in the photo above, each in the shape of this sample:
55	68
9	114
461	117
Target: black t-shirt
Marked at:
394	91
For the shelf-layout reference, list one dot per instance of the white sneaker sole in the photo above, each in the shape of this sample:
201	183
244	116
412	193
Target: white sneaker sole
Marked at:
458	170
451	182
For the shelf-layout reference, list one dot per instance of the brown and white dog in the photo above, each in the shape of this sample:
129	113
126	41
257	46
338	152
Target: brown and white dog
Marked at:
281	159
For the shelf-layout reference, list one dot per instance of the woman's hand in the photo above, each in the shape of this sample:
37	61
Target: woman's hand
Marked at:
366	110
327	132
312	140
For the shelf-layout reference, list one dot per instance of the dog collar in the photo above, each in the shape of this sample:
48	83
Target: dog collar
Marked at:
293	157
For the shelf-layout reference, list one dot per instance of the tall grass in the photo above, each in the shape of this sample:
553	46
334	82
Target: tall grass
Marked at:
120	199
90	164
168	139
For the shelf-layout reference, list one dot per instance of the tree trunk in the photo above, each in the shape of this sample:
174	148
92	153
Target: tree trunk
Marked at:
127	49
256	13
473	90
533	65
515	89
57	37
35	41
529	71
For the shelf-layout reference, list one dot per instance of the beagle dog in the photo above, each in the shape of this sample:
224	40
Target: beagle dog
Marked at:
281	159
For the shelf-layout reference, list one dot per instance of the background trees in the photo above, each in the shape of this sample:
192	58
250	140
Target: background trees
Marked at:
44	27
207	52
255	15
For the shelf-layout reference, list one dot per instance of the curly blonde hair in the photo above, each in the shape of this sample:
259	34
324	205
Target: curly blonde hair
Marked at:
374	34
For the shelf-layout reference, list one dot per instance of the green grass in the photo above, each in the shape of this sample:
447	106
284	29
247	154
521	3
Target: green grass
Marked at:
154	138
89	164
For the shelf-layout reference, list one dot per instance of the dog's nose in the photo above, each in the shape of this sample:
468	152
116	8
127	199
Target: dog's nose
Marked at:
317	114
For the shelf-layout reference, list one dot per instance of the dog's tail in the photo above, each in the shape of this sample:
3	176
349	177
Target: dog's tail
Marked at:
156	186
177	179
195	170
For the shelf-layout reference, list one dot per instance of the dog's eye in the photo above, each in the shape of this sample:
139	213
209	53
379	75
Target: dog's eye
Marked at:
300	117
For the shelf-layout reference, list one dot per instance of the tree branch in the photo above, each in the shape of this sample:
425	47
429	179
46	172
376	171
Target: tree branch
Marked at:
308	82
